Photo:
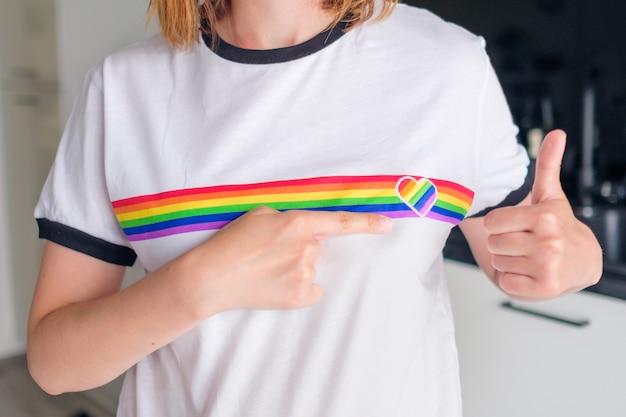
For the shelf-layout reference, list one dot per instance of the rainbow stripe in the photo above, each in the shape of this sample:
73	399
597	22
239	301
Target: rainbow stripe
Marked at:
210	208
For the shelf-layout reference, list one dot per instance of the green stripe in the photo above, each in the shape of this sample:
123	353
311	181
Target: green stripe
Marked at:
236	208
420	193
451	207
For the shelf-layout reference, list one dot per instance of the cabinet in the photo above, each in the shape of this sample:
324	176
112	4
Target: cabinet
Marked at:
519	365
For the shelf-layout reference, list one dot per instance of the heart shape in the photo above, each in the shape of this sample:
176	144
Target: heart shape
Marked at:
419	195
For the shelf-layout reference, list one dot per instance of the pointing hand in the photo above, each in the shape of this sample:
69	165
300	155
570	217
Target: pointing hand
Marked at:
267	258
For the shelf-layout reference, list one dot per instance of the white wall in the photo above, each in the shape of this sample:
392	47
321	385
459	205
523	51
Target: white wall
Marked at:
87	31
14	114
9	343
45	49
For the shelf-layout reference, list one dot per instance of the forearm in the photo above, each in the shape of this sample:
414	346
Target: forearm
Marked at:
86	344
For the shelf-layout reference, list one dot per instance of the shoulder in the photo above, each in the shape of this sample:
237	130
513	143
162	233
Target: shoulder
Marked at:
422	23
154	47
150	55
150	62
416	32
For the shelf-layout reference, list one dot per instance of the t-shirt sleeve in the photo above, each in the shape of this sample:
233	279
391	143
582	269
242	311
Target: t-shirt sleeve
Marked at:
74	208
503	174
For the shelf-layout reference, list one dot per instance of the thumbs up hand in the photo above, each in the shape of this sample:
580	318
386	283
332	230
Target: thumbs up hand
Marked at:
541	250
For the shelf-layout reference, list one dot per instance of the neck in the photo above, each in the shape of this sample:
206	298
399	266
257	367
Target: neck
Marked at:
271	24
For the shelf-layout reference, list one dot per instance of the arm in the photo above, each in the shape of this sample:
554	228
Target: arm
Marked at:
537	249
83	331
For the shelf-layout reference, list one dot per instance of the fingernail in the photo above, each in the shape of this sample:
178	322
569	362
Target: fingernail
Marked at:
386	222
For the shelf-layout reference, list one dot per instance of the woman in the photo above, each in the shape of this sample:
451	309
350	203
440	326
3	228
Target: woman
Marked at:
321	121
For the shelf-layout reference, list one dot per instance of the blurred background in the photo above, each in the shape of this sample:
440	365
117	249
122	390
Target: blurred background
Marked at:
561	63
46	47
547	53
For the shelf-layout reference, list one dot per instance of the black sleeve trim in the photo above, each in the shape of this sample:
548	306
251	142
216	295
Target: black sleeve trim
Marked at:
515	197
85	243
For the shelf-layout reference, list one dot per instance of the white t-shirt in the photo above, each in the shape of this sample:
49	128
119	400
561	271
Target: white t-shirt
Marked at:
403	116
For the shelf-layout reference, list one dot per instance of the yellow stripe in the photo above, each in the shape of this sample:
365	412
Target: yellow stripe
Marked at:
453	200
255	199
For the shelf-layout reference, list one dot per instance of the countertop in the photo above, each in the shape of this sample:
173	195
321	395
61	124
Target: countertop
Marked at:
612	283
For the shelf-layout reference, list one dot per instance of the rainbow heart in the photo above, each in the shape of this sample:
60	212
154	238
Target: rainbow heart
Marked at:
419	195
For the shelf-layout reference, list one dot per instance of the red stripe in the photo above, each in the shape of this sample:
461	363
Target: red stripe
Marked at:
250	188
283	186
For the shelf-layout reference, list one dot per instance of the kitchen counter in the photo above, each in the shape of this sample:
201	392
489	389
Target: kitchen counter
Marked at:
612	283
560	357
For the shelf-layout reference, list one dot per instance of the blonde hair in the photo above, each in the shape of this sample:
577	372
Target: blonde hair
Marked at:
181	19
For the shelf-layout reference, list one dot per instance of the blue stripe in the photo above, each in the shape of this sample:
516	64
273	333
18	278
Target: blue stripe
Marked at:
210	218
431	190
448	213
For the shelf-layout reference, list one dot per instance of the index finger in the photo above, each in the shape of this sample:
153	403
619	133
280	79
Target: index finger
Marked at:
331	223
508	220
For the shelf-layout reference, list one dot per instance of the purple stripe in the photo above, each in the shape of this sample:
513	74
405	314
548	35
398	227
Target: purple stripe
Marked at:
431	201
218	225
178	230
398	214
442	218
409	213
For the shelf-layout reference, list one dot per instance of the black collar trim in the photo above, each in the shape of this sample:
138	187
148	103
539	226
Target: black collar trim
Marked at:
279	55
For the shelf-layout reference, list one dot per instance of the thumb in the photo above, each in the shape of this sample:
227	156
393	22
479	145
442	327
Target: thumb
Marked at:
547	184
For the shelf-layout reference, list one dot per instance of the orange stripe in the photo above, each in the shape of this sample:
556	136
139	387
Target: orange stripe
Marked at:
409	189
293	189
455	193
